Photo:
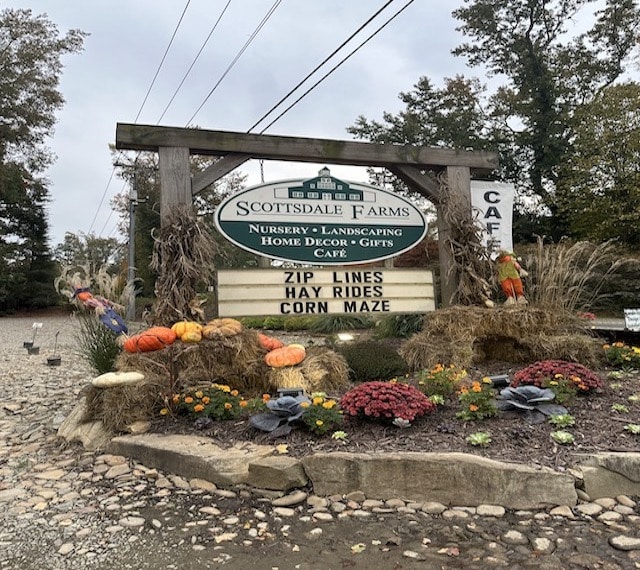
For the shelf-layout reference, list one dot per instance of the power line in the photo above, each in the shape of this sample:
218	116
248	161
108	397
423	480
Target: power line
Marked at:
193	62
238	56
326	59
338	65
163	58
113	170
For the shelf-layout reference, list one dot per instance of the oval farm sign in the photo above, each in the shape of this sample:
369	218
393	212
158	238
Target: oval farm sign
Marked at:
320	221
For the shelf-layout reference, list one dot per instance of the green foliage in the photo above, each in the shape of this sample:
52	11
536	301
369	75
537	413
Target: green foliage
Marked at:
399	326
218	402
322	415
328	324
622	355
479	439
252	322
620	408
562	420
96	343
372	360
440	380
633	428
298	323
478	400
562	437
274	323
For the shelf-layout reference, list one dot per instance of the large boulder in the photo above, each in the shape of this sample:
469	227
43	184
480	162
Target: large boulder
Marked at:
611	474
449	478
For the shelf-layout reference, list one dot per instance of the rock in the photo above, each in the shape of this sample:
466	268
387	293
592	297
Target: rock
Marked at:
191	456
93	435
419	476
625	543
277	472
289	500
611	474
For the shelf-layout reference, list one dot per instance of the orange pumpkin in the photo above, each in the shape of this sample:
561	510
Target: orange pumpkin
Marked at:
289	355
154	338
269	342
221	327
183	327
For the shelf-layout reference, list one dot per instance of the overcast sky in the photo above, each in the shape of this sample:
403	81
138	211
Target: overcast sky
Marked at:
108	82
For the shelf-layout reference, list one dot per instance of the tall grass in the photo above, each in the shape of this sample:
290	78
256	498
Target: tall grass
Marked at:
96	343
567	276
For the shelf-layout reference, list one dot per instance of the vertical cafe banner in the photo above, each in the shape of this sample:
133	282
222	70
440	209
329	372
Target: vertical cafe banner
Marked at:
494	203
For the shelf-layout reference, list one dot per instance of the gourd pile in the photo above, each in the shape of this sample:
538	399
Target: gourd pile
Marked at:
190	354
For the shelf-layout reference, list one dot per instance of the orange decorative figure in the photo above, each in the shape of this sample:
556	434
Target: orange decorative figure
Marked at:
509	275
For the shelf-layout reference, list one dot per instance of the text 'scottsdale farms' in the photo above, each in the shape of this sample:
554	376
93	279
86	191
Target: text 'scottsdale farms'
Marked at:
321	221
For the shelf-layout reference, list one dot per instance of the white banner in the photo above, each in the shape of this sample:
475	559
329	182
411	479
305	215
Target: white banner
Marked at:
494	202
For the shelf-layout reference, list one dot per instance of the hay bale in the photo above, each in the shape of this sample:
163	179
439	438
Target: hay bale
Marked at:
469	335
120	406
323	370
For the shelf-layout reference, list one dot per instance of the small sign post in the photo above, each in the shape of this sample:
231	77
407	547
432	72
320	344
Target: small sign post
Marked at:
632	320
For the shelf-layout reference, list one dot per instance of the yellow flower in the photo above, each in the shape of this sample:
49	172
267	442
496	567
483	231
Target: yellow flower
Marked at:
206	400
393	381
199	394
164	411
618	344
304	404
319	422
606	346
198	408
243	403
188	400
317	401
234	392
225	388
559	376
329	404
486	380
473	408
227	406
553	383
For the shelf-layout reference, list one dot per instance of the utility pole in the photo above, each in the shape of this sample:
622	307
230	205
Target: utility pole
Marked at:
131	270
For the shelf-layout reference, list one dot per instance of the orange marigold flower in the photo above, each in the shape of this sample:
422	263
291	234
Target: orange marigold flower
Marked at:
228	406
266	397
243	403
329	404
206	400
473	408
198	408
176	398
188	400
234	392
475	387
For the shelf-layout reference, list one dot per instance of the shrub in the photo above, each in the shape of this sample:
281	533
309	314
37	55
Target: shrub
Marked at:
322	415
477	399
96	343
621	355
386	401
372	360
335	323
440	380
218	402
545	371
400	326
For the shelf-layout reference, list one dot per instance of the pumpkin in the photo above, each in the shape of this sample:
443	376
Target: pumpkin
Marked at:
269	342
183	327
221	327
192	335
154	338
289	355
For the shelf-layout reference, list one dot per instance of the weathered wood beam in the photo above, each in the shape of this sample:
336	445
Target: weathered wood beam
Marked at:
151	138
175	181
415	179
216	171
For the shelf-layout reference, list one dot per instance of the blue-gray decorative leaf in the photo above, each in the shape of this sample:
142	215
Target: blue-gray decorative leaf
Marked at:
551	409
266	421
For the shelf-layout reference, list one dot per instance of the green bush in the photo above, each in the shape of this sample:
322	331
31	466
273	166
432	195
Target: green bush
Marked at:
97	344
372	360
299	323
252	322
400	326
335	323
273	323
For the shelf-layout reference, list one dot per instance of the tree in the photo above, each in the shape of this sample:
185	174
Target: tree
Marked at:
78	250
600	189
548	73
30	69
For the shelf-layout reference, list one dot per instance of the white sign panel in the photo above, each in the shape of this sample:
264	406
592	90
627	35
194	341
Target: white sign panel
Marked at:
312	291
494	202
632	319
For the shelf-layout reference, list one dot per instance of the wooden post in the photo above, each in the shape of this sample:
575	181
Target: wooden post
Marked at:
457	186
175	179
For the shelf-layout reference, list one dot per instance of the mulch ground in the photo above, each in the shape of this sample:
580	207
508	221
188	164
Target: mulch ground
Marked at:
597	428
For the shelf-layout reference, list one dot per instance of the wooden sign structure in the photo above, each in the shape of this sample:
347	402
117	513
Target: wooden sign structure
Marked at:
174	145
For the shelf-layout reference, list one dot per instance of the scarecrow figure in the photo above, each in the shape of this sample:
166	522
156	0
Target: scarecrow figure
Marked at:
103	308
509	275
